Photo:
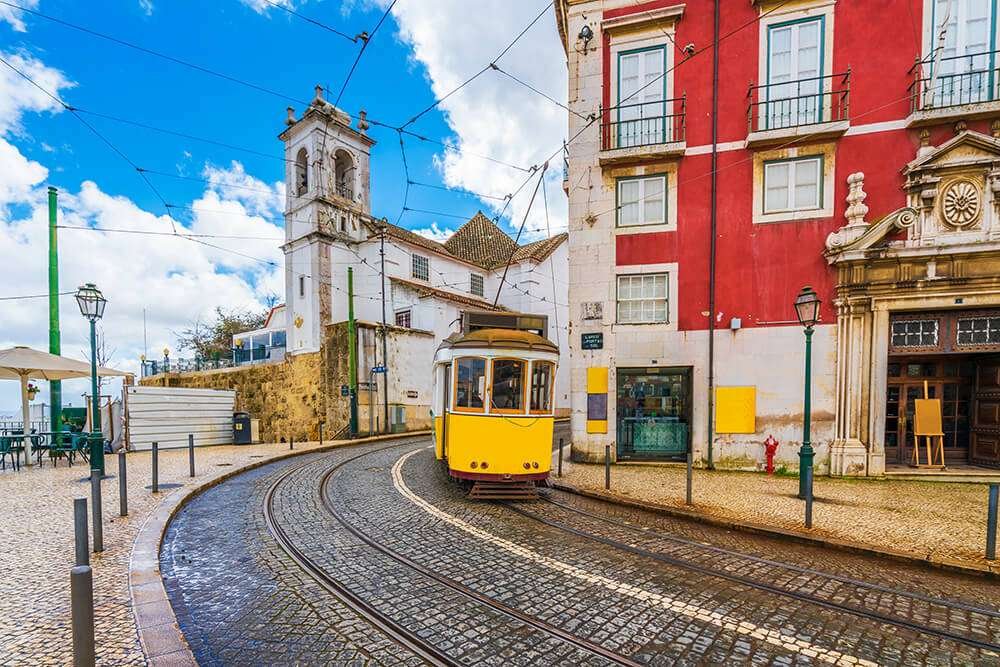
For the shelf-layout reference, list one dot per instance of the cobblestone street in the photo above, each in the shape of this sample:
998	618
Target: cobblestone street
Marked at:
371	554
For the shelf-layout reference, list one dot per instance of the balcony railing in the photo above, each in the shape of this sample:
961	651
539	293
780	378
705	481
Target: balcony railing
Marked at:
939	83
790	104
151	368
644	124
261	353
344	190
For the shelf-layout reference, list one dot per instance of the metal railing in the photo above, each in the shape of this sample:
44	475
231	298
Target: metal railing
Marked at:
809	101
344	190
954	81
644	124
151	368
652	438
258	354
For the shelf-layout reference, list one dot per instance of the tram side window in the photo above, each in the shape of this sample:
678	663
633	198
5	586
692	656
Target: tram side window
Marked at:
541	387
470	383
508	385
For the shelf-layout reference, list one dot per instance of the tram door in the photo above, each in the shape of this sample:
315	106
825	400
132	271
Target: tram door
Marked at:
446	403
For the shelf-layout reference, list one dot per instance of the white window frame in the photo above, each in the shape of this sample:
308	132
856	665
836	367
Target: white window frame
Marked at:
472	284
414	261
642	278
408	312
641	180
804	105
794	165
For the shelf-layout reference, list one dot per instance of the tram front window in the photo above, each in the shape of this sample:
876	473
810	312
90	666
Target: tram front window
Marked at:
541	387
508	385
469	383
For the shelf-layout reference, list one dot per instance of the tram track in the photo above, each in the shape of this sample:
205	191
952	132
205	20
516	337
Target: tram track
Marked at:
392	629
808	598
467	592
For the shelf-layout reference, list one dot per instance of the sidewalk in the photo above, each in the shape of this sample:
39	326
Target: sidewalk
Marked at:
941	522
36	548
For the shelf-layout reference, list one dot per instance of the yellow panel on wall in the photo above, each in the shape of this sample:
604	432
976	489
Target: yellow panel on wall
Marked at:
597	426
597	380
736	409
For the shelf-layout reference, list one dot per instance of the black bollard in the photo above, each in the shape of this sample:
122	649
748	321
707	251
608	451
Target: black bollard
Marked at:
81	587
95	510
321	434
122	485
808	472
559	462
291	442
80	531
191	454
690	465
156	467
991	522
607	467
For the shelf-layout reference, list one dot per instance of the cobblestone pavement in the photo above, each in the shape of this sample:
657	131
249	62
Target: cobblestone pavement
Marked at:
647	590
36	550
926	519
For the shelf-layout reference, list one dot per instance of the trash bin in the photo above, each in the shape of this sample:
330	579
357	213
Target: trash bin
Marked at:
241	428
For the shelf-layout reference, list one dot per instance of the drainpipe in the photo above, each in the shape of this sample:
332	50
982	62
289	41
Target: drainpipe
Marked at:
713	225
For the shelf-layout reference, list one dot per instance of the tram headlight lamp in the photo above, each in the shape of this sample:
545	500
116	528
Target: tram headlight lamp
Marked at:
473	465
527	466
534	464
484	465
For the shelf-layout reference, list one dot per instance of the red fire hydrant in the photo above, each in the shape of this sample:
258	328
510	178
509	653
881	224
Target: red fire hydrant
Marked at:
770	447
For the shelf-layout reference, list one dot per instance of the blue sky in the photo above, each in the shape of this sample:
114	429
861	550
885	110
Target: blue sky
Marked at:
424	49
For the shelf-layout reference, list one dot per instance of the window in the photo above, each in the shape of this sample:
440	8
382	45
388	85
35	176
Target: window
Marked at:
793	185
343	223
965	62
641	95
470	384
278	338
302	287
301	172
642	299
476	285
541	386
794	71
403	318
915	333
507	392
642	201
978	331
420	268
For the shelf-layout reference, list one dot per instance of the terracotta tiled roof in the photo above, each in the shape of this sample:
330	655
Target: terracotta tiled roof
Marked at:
539	250
481	242
416	239
463	299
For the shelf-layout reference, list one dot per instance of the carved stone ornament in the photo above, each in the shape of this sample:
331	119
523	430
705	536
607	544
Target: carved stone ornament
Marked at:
855	213
961	203
592	310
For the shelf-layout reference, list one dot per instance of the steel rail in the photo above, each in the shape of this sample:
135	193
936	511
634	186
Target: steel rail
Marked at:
951	604
769	588
461	589
428	652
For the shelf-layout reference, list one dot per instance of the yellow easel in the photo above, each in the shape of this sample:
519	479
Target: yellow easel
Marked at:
927	425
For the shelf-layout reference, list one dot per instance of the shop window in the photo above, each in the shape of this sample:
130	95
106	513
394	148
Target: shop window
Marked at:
470	384
654	413
978	331
476	285
793	185
642	299
642	201
403	318
542	373
914	333
507	390
420	268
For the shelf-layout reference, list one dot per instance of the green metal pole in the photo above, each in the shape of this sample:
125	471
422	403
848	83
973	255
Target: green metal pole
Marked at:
96	437
806	452
352	354
55	386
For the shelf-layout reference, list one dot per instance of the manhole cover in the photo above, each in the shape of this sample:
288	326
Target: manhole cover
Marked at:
167	485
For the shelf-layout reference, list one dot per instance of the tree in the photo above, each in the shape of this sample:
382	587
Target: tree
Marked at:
216	339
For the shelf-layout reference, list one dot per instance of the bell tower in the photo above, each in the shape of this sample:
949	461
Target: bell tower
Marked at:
327	202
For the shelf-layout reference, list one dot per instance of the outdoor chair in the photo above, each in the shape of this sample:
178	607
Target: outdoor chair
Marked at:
7	448
64	446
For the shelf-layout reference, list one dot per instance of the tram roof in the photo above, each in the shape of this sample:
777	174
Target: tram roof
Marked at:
500	338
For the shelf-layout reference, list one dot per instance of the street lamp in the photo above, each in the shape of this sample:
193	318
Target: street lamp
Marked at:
92	304
807	310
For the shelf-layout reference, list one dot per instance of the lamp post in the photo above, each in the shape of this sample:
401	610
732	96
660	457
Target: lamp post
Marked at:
92	304
807	310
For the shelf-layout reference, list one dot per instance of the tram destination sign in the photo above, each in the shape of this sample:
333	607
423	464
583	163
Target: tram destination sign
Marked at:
592	341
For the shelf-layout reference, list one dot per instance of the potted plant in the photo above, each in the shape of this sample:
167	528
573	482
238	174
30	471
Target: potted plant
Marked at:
32	391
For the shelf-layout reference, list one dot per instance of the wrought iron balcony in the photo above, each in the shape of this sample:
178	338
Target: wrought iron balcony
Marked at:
792	104
645	125
940	83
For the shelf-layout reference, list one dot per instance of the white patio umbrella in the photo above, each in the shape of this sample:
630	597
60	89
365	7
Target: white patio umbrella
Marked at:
23	363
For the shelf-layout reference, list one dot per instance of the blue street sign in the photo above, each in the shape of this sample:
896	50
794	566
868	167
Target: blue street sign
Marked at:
378	369
345	390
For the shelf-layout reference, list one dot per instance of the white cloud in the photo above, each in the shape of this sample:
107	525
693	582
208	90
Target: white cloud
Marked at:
435	233
18	96
15	17
262	6
234	183
146	6
493	115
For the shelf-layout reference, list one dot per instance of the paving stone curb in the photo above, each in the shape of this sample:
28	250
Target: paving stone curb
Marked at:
160	636
987	570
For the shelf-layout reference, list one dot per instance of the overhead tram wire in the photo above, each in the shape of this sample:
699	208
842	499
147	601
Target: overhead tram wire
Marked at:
313	21
21	297
506	268
527	85
150	232
478	195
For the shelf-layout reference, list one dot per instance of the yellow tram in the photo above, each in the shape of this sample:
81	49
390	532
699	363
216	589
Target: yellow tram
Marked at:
493	401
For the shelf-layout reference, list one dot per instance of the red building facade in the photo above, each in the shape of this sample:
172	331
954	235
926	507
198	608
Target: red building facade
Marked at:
686	340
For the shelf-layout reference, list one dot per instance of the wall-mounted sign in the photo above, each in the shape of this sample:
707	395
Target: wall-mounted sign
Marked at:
411	393
592	341
345	390
592	310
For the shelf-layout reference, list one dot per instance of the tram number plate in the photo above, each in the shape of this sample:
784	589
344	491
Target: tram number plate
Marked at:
592	341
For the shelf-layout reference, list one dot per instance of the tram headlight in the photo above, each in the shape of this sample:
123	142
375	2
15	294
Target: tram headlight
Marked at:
484	465
473	465
534	464
527	466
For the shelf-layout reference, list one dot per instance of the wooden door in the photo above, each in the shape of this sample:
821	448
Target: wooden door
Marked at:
986	414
